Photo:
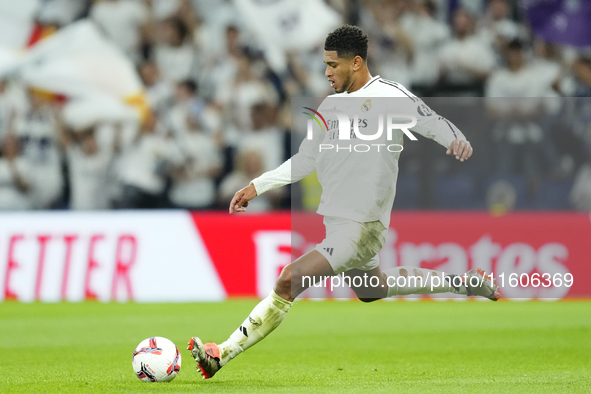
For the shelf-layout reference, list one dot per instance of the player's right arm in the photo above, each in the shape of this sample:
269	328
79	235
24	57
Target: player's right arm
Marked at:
241	198
297	167
294	169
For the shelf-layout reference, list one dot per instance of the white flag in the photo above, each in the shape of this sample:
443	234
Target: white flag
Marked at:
17	19
79	61
81	64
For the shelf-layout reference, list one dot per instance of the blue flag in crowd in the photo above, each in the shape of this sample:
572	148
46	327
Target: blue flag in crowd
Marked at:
560	21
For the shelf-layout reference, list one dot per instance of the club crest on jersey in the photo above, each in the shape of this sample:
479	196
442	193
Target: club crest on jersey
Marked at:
366	106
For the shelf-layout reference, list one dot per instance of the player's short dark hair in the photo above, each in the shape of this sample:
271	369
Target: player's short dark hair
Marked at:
348	41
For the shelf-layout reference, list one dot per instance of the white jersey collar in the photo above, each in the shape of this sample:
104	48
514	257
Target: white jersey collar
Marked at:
366	85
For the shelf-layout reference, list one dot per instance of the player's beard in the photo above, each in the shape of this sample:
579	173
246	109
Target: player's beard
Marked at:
345	85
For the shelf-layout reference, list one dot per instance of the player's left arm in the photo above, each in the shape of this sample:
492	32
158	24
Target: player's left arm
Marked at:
433	126
462	150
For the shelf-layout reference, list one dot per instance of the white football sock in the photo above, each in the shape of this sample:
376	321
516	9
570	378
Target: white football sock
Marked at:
412	280
263	319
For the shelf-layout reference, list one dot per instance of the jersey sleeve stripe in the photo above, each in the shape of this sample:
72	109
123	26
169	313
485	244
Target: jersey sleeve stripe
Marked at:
406	92
370	83
451	127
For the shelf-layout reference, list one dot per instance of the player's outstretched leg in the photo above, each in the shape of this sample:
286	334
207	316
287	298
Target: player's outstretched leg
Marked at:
264	318
412	280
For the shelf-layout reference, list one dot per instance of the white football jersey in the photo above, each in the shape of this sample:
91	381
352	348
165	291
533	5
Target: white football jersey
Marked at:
358	174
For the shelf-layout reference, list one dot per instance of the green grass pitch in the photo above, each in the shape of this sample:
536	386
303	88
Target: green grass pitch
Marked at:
321	347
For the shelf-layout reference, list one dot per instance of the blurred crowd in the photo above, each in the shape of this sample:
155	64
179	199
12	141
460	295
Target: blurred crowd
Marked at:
220	113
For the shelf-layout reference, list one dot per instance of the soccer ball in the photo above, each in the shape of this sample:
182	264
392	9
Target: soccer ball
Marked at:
156	359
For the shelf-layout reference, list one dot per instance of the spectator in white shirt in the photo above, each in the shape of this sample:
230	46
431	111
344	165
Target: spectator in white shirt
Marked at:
124	21
465	60
266	136
159	92
186	102
514	80
546	69
37	132
247	87
14	176
220	64
174	52
496	28
392	49
514	100
578	82
193	181
144	164
547	65
88	168
428	35
184	10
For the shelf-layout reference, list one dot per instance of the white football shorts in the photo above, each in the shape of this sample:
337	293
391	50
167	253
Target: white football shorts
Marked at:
350	244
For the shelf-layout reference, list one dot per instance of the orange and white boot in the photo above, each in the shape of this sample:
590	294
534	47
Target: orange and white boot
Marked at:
207	357
482	286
